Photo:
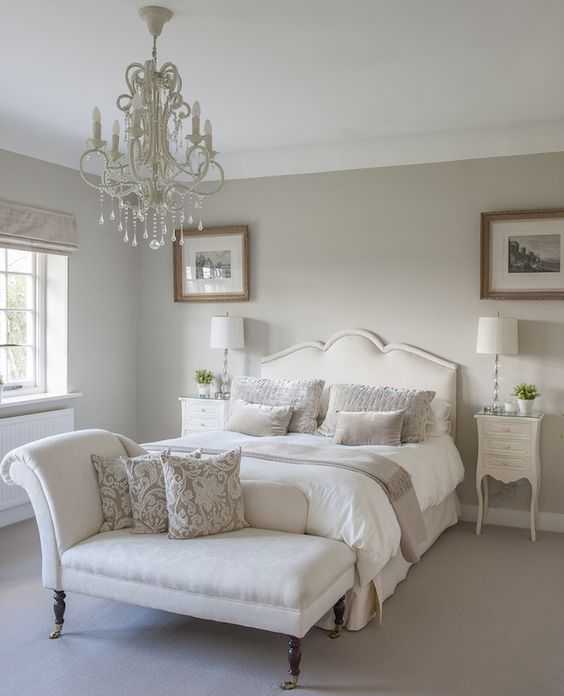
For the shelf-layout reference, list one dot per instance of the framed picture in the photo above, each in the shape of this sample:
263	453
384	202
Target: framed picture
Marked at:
212	265
522	255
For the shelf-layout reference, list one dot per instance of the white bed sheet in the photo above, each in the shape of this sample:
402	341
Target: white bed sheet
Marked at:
343	504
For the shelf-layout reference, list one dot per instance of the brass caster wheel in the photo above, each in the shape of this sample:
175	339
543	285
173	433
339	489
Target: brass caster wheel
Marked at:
291	684
336	632
57	632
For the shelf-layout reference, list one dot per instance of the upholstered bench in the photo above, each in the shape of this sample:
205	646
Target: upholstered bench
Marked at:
269	576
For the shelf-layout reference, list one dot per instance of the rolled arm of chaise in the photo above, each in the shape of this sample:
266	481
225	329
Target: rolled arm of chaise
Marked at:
58	475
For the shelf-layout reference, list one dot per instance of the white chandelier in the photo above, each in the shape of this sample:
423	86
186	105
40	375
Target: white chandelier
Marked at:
154	190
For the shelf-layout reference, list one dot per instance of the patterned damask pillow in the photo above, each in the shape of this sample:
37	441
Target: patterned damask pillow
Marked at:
147	492
204	496
114	492
303	395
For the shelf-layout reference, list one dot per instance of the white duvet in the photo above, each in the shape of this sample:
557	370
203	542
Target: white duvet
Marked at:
346	505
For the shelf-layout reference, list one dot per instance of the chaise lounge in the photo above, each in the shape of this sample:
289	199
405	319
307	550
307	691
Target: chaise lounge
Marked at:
270	576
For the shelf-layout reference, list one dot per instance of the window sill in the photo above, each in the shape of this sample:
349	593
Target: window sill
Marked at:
31	399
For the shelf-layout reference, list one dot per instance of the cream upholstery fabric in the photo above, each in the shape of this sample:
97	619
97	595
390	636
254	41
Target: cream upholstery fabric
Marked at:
203	496
303	395
273	505
259	420
60	479
252	577
363	397
369	428
114	492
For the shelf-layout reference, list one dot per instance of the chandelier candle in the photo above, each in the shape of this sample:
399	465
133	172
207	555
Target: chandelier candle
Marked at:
150	184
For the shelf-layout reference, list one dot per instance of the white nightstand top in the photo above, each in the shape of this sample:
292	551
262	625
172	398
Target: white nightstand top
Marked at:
537	415
202	398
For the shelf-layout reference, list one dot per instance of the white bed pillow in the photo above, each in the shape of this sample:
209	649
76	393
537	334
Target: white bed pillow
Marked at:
438	418
303	395
364	397
259	420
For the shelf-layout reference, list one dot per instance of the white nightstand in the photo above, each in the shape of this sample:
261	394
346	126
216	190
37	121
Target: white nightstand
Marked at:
508	450
202	414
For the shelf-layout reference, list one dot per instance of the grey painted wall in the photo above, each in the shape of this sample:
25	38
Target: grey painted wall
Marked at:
394	250
102	308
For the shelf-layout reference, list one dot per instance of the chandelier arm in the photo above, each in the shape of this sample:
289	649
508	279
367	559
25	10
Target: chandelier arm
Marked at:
220	183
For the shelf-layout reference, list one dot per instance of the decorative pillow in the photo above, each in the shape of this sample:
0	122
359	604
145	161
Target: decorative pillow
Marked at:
147	492
369	428
114	492
363	397
438	418
303	395
258	419
203	496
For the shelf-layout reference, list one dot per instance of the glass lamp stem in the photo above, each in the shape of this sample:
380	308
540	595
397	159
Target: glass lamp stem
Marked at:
496	383
224	377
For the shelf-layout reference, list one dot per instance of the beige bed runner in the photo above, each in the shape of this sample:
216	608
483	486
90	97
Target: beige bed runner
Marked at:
393	479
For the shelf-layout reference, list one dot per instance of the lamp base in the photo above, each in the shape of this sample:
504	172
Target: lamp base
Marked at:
224	396
493	409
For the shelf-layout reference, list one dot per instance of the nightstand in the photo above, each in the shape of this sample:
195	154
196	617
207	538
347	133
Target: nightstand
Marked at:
508	450
200	414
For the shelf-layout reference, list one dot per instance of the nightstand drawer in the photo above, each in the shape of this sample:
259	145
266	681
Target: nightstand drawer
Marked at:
510	462
507	446
204	408
202	423
506	427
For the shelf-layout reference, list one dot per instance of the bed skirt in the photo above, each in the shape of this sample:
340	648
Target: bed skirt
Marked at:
364	603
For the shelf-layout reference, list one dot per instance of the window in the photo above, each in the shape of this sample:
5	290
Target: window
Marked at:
22	329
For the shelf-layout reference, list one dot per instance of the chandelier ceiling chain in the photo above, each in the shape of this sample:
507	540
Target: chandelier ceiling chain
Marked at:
164	175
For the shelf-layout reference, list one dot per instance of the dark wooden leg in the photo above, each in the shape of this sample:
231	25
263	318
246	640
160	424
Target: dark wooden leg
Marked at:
294	657
339	610
59	609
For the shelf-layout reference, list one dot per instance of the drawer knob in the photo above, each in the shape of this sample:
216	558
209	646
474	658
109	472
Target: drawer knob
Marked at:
202	424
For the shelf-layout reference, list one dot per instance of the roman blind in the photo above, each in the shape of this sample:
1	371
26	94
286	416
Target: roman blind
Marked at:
33	229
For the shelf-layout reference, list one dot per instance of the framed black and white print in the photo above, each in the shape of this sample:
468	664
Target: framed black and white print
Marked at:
522	255
212	265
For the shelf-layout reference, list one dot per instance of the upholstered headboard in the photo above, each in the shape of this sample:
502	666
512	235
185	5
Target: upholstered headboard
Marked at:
358	356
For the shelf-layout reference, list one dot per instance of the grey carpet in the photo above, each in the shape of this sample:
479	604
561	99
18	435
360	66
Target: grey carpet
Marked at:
478	616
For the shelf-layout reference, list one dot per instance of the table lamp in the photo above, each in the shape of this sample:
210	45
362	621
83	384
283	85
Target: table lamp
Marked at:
497	336
226	332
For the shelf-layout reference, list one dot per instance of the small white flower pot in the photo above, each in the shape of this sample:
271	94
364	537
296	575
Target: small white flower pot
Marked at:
526	406
203	389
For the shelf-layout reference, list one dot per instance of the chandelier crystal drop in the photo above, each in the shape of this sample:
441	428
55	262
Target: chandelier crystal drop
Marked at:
165	175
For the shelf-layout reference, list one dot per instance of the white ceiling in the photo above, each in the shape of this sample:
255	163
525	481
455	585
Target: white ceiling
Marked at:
298	85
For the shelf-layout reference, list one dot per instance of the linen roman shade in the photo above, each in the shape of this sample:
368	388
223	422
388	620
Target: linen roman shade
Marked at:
33	229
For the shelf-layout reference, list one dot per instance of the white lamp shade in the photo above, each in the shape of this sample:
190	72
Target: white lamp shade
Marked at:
497	336
227	332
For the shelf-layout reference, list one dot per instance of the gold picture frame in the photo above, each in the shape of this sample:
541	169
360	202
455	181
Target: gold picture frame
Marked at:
522	255
212	265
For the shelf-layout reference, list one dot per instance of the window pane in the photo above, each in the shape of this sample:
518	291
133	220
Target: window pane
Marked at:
20	292
2	259
19	327
20	261
19	364
2	290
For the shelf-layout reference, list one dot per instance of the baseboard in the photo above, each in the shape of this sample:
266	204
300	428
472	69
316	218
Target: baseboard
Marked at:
506	517
15	514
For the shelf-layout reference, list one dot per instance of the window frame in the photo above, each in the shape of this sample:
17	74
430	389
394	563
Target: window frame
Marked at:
39	279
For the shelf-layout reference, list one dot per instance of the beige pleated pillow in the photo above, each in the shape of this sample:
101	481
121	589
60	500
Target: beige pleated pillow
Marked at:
203	496
259	420
369	428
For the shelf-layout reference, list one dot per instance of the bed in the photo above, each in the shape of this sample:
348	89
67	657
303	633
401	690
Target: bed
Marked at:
342	504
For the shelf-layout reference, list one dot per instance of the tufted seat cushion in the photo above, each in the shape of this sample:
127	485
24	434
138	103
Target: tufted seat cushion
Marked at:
253	577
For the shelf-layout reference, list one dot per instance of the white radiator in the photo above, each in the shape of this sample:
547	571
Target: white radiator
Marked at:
19	431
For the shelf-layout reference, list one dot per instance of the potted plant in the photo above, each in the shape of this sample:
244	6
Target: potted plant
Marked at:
203	379
526	395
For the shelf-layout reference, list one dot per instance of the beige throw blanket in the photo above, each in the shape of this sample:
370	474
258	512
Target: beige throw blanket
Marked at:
393	479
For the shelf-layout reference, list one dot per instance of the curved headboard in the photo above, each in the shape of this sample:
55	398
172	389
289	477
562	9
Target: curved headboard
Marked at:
358	356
